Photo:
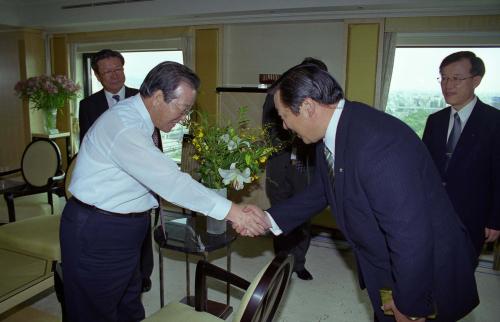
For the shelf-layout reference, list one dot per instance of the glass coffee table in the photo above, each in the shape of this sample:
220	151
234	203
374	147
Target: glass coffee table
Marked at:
187	234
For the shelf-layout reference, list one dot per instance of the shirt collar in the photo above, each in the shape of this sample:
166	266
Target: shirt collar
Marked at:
144	112
465	111
121	93
331	131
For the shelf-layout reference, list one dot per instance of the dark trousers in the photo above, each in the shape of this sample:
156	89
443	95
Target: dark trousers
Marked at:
100	264
147	263
283	180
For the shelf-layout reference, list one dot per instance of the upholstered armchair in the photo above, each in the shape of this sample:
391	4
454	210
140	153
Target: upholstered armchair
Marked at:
259	303
40	172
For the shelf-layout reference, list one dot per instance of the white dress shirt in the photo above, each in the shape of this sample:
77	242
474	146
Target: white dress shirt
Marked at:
329	140
118	166
463	114
111	100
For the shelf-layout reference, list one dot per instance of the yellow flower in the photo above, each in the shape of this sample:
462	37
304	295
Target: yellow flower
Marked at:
248	154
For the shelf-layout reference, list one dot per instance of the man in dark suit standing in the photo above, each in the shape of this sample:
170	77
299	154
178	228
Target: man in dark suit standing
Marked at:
464	141
386	194
108	68
108	65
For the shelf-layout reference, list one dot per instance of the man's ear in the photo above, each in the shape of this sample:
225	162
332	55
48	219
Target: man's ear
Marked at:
157	98
476	80
308	107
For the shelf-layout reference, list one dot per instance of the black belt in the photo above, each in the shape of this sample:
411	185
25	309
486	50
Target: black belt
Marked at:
114	214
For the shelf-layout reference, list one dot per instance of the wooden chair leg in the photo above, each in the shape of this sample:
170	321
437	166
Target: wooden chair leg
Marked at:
50	201
9	200
496	256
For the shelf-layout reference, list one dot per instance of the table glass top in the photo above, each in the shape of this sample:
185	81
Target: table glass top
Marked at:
187	233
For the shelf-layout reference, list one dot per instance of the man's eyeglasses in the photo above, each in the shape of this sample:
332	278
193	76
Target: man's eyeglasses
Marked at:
185	110
109	72
454	79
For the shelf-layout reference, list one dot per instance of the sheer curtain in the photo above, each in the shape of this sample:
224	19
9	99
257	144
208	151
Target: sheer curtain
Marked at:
387	64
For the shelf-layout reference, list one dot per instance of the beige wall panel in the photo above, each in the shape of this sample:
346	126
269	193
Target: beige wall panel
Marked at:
207	67
12	138
362	56
34	60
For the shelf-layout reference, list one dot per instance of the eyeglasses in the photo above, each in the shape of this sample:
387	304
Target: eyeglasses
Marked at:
109	72
185	110
454	79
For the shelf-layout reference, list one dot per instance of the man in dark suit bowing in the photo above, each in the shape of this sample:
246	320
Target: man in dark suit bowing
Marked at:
387	198
464	141
108	65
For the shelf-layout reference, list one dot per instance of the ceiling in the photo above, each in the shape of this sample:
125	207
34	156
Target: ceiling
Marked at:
88	15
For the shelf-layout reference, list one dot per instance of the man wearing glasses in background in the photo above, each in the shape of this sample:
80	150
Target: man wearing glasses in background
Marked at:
464	141
107	65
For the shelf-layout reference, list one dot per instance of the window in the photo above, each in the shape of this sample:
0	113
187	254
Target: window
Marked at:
415	92
137	65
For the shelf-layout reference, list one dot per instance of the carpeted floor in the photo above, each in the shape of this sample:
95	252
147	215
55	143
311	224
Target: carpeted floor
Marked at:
333	294
29	314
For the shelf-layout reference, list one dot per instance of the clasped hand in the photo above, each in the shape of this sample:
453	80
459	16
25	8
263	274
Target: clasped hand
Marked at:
248	220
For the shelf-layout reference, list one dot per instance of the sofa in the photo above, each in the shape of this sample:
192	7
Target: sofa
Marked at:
29	251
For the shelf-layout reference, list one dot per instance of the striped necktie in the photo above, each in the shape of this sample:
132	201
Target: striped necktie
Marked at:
116	98
329	161
456	130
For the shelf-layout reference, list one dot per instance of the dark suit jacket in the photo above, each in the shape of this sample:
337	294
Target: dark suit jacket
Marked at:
472	179
93	106
388	201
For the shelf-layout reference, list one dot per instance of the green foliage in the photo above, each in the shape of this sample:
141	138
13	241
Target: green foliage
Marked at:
229	155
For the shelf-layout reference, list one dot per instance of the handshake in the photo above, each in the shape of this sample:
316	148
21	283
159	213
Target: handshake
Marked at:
248	220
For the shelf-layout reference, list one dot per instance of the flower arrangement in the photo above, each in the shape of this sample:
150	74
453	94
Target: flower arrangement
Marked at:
47	92
230	156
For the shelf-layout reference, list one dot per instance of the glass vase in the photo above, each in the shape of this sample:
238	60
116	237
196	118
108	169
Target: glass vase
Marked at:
214	226
50	121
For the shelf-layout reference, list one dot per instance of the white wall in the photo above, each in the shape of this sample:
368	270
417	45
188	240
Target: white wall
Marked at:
253	49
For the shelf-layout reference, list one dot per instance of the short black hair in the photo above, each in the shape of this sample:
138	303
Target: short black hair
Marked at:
314	61
167	76
307	81
477	64
103	54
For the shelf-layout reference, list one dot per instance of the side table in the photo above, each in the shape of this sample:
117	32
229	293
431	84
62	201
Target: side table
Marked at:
65	135
191	237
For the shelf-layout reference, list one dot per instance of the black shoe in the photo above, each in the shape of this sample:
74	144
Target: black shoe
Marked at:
304	274
146	284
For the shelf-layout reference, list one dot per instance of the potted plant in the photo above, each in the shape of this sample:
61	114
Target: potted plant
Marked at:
49	94
229	156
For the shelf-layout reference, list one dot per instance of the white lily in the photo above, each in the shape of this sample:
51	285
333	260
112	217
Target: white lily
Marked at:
231	145
224	138
235	177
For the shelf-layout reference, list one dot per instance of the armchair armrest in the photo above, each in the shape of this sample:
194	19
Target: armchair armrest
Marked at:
9	172
204	269
58	177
